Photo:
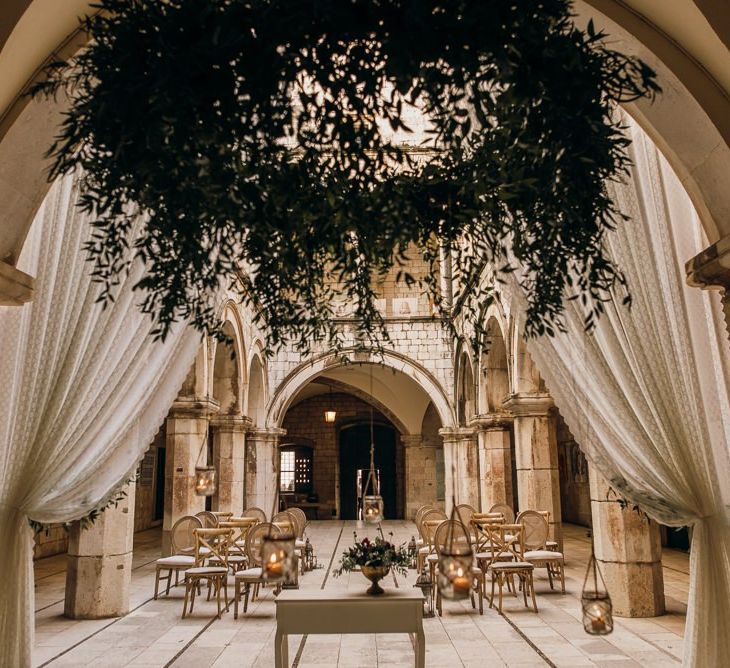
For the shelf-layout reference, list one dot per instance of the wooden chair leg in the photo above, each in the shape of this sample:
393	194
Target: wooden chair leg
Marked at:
491	596
157	582
185	600
532	589
501	583
523	586
195	584
550	576
245	597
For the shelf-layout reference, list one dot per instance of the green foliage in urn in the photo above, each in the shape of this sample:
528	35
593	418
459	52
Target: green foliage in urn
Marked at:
375	553
255	137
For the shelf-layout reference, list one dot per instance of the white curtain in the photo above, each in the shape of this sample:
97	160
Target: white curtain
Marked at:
84	390
646	395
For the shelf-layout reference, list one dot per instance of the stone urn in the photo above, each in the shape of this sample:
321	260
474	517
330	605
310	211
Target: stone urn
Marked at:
375	574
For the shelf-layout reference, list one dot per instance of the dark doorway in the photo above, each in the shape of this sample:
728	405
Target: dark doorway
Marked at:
355	454
160	485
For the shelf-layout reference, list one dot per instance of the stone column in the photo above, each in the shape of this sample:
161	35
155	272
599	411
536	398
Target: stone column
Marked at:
187	424
262	467
461	467
420	473
536	456
495	458
628	550
229	452
99	563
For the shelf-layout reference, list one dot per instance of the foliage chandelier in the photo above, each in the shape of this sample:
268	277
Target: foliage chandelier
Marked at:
255	138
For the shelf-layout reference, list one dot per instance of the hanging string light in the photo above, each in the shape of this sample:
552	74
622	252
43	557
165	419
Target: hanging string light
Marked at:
372	503
205	475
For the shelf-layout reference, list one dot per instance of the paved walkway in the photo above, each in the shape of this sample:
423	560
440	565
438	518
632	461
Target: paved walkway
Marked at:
153	634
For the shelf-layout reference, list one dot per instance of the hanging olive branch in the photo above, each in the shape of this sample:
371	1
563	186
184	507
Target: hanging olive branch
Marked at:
258	136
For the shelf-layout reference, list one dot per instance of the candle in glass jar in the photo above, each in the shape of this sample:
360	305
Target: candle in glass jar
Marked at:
273	567
598	624
461	584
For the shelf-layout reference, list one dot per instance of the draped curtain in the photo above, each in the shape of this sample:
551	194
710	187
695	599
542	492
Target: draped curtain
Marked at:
646	394
84	389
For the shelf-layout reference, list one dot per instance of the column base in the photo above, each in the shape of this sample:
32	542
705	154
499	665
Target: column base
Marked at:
98	586
636	589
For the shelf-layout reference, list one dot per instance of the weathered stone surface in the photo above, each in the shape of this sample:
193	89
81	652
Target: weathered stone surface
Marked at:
100	563
628	549
536	456
461	466
495	460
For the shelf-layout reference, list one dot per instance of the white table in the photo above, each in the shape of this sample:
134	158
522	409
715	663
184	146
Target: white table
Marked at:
333	611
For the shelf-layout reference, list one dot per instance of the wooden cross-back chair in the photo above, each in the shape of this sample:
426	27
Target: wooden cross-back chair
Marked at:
429	521
507	563
237	557
549	544
211	544
182	546
537	552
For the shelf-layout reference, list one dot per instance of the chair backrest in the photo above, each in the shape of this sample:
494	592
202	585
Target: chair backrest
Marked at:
240	529
209	520
430	516
536	529
286	521
420	511
454	532
212	544
254	539
507	512
513	537
182	535
484	524
300	515
259	514
464	512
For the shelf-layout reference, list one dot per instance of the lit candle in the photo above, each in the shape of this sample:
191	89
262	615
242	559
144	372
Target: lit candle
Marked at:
274	567
461	584
598	623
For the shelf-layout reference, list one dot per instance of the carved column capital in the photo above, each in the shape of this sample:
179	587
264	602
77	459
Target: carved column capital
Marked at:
194	407
231	423
492	421
710	269
537	404
411	440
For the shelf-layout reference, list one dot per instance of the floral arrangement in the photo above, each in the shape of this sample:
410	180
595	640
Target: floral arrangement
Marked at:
374	553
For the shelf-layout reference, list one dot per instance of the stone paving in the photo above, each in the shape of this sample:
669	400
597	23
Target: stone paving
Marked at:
153	634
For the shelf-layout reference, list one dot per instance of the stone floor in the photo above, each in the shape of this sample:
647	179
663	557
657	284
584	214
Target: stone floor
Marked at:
153	634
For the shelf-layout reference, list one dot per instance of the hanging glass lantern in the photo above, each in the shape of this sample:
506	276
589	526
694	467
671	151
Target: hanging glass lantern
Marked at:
372	503
455	560
372	508
330	414
205	480
278	558
595	601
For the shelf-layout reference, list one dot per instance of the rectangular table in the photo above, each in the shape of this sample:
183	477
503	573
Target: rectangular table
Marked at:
340	612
